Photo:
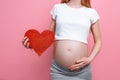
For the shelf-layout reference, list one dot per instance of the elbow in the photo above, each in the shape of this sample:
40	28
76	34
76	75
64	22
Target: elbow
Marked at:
99	43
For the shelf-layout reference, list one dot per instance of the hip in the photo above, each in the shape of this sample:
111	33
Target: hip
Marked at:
58	71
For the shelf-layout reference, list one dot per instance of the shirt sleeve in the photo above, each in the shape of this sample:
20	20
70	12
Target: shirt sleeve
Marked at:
95	16
53	12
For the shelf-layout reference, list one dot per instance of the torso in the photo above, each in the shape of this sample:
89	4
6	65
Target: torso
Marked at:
66	52
71	33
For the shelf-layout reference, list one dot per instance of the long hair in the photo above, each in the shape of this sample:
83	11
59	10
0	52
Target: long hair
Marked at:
83	2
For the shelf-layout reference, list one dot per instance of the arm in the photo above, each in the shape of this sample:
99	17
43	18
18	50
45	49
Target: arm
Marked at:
95	50
97	40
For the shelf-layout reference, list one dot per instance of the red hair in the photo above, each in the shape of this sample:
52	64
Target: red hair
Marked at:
83	2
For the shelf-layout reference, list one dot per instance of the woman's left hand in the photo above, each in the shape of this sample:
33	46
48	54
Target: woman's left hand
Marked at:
80	63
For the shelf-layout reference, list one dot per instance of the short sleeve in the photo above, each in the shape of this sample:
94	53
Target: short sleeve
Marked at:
53	12
95	16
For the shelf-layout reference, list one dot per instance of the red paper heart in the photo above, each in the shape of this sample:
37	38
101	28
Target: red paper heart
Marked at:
40	41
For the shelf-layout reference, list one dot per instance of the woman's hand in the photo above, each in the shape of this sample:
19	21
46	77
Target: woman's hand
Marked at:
79	64
25	42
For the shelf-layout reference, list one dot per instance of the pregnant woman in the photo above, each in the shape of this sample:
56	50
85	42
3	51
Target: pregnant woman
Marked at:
71	22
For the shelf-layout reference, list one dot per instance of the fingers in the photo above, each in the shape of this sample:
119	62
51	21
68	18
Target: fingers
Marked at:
77	66
80	63
81	60
25	42
28	45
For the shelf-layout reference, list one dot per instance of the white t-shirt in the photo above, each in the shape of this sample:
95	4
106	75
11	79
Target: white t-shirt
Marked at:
73	23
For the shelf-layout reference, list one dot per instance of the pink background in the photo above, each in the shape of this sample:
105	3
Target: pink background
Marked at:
18	63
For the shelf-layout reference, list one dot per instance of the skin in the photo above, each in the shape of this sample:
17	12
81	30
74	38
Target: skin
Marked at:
74	54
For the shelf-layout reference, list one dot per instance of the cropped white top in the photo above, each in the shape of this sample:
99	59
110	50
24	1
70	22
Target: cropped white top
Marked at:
73	23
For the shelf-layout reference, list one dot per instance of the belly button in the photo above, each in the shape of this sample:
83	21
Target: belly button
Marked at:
69	49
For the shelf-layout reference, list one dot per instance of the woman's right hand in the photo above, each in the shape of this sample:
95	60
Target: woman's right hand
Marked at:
25	42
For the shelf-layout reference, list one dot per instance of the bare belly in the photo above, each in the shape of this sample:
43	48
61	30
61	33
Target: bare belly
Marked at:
66	52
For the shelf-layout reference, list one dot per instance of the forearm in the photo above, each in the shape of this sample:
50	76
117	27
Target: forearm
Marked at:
96	49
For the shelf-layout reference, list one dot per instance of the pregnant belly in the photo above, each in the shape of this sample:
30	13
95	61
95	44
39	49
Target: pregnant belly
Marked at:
66	52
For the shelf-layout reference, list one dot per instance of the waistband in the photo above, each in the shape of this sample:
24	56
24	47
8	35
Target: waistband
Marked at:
66	69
